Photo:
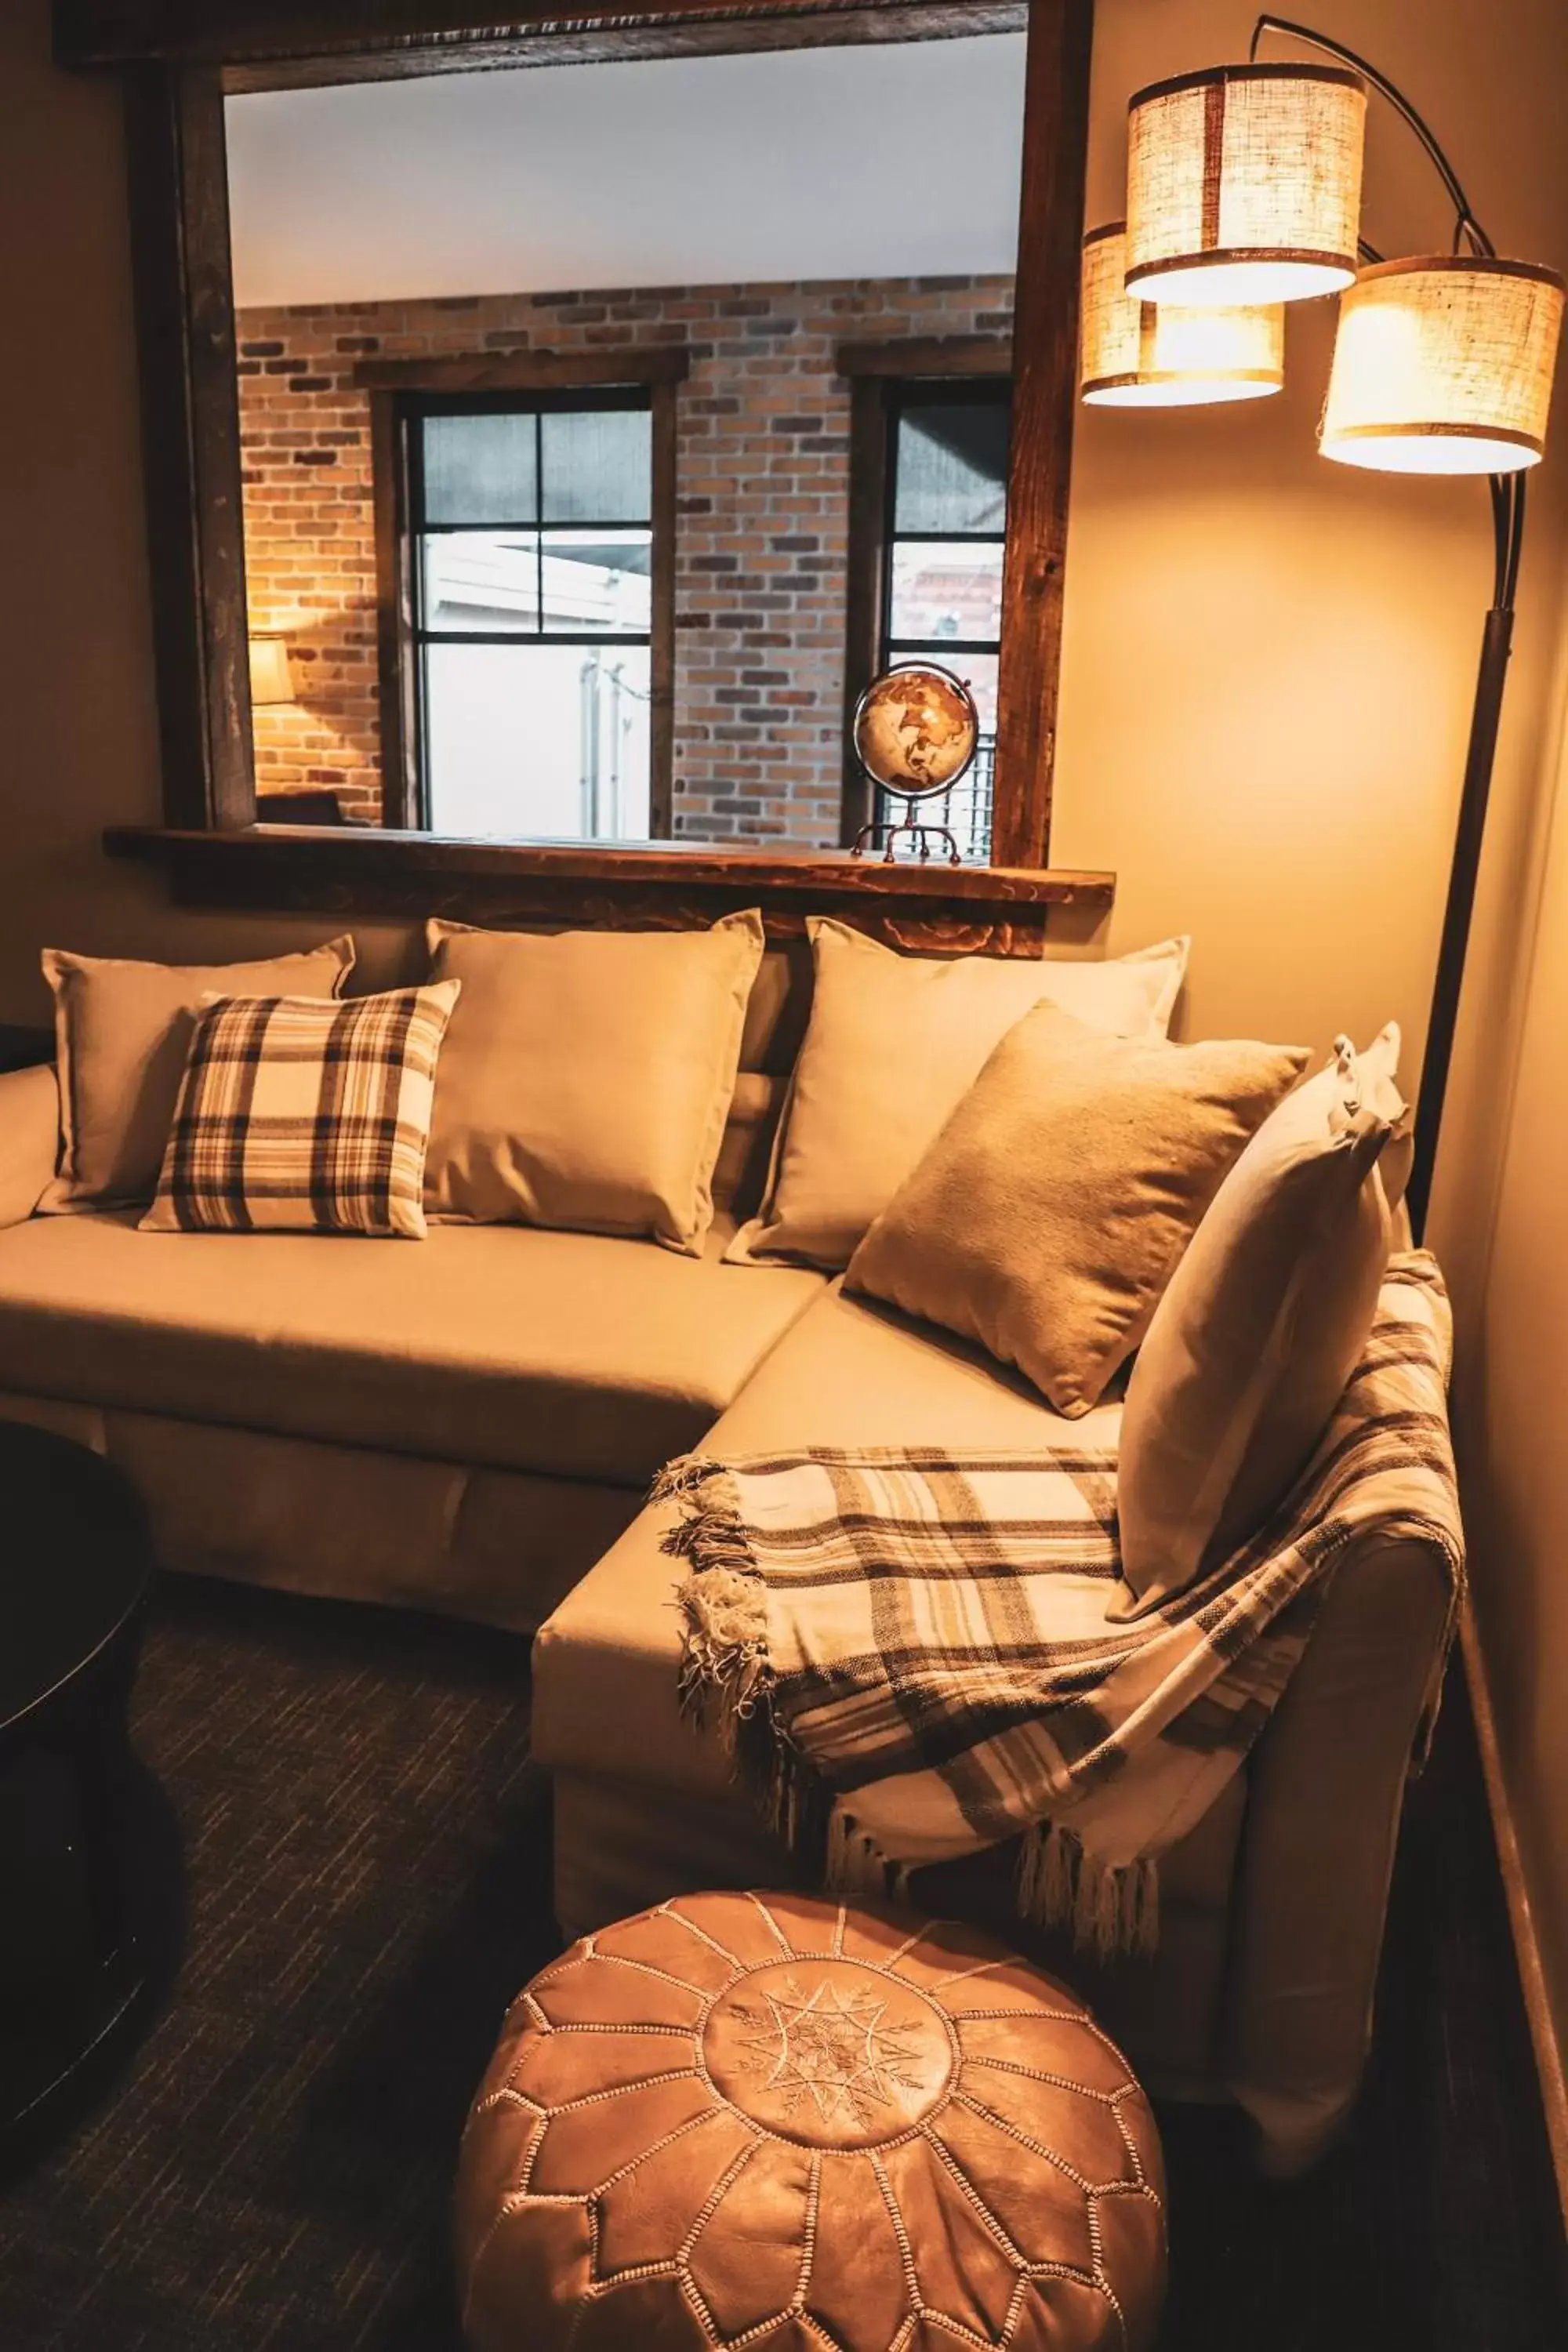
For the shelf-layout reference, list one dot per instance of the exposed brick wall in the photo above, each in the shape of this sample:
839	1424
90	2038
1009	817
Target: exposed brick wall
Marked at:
762	490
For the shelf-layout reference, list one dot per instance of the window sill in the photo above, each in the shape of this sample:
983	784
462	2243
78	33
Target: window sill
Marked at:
990	910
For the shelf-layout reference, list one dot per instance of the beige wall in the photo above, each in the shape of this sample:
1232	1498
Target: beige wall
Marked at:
1510	1410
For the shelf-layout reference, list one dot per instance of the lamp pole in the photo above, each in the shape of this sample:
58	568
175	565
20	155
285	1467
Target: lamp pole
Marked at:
1507	499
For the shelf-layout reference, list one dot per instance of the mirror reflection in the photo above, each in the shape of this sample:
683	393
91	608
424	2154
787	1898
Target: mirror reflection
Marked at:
606	428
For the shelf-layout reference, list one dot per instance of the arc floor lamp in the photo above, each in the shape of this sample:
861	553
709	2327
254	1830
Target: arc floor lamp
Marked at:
1244	193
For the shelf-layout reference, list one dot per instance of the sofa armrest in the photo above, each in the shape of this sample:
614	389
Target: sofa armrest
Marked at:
29	1138
1326	1787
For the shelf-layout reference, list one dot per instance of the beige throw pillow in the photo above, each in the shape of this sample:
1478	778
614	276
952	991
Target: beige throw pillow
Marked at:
122	1031
586	1076
1266	1316
894	1042
1047	1217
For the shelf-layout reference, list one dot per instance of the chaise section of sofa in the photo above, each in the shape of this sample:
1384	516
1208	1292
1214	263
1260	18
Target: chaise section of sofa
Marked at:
1271	1913
462	1423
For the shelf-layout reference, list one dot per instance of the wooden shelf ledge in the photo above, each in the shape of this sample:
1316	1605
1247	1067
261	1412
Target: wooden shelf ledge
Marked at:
987	909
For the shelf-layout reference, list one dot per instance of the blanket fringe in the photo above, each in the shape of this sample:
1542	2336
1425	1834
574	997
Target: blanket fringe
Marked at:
1113	1907
685	1475
724	1673
726	1678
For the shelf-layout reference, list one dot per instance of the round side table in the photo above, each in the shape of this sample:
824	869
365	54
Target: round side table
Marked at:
76	1564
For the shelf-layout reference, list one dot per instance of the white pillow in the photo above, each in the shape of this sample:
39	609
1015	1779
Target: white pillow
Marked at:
1264	1320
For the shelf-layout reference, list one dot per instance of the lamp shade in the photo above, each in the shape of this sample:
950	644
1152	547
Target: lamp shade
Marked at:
270	678
1138	355
1444	365
1244	184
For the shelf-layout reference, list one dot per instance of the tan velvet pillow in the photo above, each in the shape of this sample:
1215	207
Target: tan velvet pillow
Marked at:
1047	1216
122	1031
1250	1347
586	1076
894	1042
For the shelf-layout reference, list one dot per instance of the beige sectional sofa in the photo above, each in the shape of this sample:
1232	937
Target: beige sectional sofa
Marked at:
470	1424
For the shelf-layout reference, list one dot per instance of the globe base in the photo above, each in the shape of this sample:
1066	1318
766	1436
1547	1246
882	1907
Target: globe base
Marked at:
922	835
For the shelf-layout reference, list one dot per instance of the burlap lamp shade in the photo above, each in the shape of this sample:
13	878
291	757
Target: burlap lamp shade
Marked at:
271	677
1139	355
1244	184
1444	365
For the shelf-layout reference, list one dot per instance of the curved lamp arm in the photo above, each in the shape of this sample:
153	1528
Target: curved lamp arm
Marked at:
1508	498
1465	224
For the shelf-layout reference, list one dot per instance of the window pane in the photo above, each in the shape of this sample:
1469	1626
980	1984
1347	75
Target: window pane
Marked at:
946	591
952	467
966	807
531	743
481	469
598	583
598	464
481	579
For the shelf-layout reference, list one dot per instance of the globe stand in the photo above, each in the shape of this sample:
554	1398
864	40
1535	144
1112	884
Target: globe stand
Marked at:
920	745
925	834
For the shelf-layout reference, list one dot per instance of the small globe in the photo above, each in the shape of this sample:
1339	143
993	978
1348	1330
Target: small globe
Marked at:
916	730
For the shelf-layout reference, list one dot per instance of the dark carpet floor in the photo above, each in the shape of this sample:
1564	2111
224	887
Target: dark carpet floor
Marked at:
344	1828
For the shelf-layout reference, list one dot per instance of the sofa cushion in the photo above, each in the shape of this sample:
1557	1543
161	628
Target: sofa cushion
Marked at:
1266	1317
586	1076
569	1353
1047	1216
894	1043
849	1373
296	1117
122	1033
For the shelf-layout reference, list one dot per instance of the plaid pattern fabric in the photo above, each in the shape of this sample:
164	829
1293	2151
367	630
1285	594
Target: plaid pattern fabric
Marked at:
915	1655
305	1116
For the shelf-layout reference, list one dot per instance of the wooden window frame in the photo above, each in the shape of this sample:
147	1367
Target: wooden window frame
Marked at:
872	368
660	370
179	63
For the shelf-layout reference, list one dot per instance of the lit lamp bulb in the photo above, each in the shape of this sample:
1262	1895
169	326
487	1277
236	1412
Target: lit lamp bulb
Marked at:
1244	184
1444	365
1138	355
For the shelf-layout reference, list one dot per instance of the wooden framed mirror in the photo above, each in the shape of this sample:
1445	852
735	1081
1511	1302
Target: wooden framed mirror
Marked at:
475	595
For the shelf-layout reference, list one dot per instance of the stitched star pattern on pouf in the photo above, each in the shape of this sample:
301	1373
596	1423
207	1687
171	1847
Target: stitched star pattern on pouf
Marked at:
828	2046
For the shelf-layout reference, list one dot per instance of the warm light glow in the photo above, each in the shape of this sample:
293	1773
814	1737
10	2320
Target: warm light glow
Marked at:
1243	185
270	678
1225	285
1137	356
1444	365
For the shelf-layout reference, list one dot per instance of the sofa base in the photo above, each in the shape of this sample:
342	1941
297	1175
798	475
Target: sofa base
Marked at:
347	1523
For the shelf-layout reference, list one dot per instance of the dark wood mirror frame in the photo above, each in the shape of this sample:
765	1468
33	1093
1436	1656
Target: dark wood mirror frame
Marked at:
178	63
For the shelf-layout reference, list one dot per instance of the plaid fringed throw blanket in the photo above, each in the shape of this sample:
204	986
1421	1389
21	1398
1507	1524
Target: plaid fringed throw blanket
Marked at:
909	1656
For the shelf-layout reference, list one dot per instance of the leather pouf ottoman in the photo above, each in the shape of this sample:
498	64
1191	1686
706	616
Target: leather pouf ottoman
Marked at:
805	2126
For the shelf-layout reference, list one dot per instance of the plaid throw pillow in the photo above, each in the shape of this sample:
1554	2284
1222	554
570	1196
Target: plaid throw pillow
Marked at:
307	1116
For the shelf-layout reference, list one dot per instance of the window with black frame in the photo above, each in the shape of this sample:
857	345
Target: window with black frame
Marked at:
529	566
944	534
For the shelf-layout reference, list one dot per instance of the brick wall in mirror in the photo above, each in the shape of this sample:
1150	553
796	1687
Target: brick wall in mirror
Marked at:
591	470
